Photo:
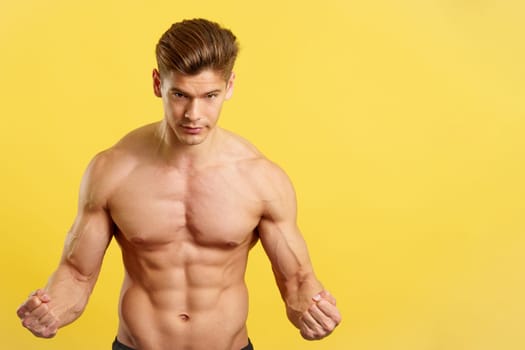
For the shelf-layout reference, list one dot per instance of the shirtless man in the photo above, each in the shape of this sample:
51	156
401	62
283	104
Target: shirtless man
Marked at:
186	201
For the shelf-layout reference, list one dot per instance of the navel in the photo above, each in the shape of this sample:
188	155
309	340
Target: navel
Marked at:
184	317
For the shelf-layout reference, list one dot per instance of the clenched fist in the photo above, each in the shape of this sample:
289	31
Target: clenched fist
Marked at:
37	316
321	318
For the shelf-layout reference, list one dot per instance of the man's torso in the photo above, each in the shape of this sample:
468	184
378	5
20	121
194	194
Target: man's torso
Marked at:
185	233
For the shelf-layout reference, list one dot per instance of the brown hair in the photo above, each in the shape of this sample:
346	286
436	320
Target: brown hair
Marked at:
190	46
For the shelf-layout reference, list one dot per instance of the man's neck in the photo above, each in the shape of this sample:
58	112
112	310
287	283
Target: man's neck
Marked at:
184	156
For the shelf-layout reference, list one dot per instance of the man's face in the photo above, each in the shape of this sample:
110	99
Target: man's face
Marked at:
192	103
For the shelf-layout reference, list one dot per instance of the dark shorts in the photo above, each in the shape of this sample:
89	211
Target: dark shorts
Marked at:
119	346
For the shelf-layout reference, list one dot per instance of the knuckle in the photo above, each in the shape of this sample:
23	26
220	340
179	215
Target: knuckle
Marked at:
27	322
310	336
307	334
322	334
328	325
33	303
49	333
319	332
37	333
317	336
43	308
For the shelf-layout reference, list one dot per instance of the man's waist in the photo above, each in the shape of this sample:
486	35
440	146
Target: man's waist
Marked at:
184	296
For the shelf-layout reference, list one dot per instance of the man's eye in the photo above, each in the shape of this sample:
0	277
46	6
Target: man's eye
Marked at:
212	95
178	95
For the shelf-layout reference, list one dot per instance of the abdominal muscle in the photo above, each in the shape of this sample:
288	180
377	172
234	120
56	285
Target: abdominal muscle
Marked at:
184	305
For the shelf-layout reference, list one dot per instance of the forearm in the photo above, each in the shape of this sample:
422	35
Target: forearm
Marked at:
297	294
69	292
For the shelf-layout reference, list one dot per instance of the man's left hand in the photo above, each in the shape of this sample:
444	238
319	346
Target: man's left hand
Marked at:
321	318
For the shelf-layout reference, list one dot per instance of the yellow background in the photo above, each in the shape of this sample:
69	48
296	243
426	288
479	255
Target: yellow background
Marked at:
401	124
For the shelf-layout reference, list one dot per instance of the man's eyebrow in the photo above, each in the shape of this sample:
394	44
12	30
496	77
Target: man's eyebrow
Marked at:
174	89
214	91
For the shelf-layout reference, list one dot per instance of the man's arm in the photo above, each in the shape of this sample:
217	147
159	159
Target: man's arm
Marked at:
69	287
309	307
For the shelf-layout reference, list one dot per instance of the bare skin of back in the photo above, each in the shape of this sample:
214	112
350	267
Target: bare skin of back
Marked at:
186	201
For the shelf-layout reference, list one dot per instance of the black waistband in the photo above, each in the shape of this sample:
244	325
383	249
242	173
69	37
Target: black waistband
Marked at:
249	346
119	346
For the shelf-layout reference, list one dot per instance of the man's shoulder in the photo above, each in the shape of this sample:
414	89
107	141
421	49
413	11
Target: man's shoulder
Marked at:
237	146
137	139
122	156
255	166
129	146
246	155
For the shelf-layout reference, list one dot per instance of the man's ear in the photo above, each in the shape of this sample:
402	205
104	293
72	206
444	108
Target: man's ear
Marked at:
229	86
156	83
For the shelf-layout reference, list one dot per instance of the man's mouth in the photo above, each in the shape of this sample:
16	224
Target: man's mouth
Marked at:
192	129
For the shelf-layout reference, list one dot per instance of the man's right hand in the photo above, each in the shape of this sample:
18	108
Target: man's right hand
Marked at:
37	316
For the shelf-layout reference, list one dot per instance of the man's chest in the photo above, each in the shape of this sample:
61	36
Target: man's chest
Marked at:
211	209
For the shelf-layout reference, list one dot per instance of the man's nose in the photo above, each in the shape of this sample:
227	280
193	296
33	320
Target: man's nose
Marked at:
192	110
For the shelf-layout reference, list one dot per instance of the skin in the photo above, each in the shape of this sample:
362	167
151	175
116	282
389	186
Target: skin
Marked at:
186	201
